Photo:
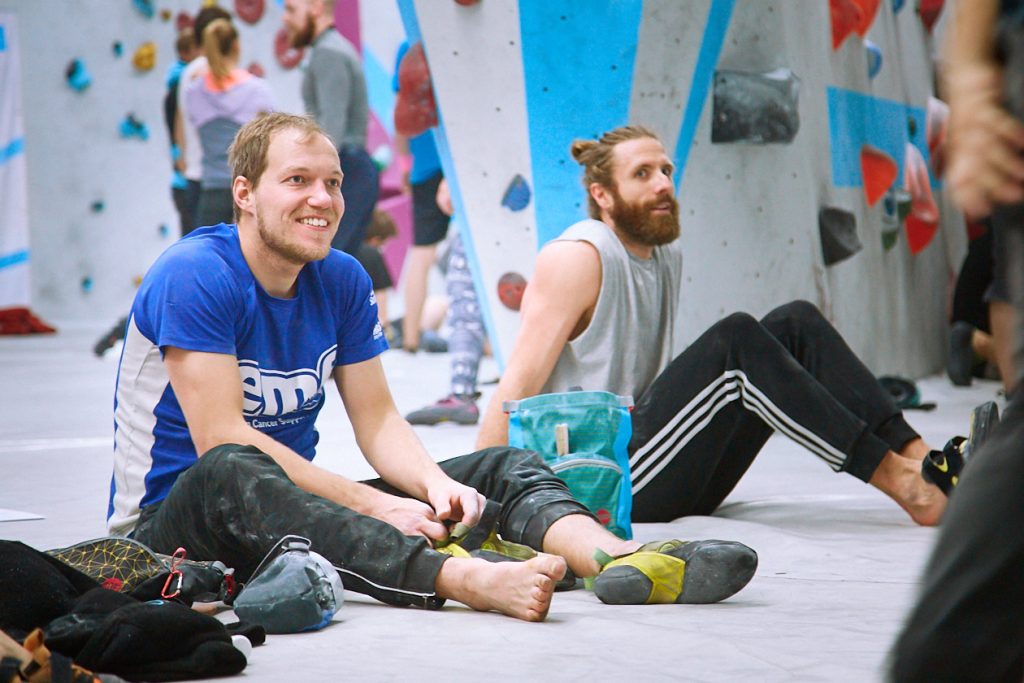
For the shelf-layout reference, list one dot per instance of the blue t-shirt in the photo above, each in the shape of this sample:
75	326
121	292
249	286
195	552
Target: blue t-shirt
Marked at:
425	161
201	296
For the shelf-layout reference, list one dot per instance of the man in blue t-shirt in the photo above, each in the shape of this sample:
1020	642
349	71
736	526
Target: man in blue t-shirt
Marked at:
233	337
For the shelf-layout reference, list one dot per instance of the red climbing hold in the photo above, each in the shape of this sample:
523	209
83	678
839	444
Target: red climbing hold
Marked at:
868	11
510	290
936	125
249	11
183	21
466	3
918	184
930	11
879	171
919	233
415	108
287	56
847	16
256	69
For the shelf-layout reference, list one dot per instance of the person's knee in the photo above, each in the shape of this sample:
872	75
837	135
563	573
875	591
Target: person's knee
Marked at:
511	457
797	314
233	458
735	325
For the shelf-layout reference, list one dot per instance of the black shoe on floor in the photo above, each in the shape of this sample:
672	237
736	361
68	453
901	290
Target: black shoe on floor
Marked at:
960	363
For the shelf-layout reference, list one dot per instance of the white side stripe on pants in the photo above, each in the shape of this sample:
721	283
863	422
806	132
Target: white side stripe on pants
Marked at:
732	385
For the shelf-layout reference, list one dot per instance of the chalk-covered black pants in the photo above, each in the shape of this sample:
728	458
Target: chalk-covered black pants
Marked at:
702	422
236	503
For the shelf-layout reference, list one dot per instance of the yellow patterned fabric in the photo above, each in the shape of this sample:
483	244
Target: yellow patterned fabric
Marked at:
118	563
664	572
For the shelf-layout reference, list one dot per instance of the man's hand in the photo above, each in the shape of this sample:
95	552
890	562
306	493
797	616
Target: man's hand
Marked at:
410	516
456	502
986	167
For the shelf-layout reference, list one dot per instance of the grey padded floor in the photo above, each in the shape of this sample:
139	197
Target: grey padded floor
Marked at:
839	562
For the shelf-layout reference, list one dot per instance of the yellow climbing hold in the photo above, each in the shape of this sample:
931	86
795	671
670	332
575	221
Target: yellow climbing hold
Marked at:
145	56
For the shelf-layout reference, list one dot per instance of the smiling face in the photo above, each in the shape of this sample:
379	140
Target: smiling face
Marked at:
297	202
641	201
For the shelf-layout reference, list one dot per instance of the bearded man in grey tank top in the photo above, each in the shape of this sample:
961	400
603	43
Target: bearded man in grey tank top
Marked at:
600	313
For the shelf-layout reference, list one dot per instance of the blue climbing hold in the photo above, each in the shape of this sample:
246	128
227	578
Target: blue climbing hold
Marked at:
86	284
97	206
165	230
897	5
118	48
874	58
77	75
131	127
517	196
145	7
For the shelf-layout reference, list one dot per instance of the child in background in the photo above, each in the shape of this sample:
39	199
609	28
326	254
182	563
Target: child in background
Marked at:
381	229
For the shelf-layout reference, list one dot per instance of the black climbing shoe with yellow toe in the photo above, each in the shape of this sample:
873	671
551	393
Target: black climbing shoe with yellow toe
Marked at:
666	572
943	468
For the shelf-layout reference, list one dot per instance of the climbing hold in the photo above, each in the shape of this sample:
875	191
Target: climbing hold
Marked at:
755	108
164	230
517	195
874	58
98	206
131	127
466	3
929	11
868	12
256	69
415	108
117	48
897	5
183	21
249	11
890	238
287	56
86	284
166	14
846	16
936	125
77	75
919	233
897	204
510	290
918	184
878	170
838	229
144	58
145	7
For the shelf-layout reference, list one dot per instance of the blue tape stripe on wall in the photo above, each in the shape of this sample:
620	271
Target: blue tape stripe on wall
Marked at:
719	15
378	91
13	259
856	119
578	66
11	150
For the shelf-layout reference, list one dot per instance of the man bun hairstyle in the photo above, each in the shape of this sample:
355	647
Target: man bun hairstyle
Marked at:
595	156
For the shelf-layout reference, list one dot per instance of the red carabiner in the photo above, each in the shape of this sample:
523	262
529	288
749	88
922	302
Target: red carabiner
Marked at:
176	559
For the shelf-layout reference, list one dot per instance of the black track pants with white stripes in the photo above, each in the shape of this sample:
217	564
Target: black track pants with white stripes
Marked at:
702	422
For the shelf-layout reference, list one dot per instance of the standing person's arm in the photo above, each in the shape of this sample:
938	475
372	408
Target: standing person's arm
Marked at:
985	142
209	389
556	307
332	82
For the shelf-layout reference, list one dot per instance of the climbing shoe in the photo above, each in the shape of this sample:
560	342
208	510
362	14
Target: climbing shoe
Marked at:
960	364
683	572
984	419
943	468
460	409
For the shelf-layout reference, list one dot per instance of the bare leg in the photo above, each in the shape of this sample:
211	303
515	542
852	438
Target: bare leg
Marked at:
1003	320
518	589
575	537
983	346
420	260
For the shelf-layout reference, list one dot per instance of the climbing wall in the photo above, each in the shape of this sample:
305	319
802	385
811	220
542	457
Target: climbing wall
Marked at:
14	272
99	203
801	131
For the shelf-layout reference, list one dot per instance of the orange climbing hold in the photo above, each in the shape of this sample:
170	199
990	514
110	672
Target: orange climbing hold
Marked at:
868	12
415	108
919	233
878	170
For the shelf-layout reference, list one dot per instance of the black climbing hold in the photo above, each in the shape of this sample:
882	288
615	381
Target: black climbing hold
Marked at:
756	108
839	239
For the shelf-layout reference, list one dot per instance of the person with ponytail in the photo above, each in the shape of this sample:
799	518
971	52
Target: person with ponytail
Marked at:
219	104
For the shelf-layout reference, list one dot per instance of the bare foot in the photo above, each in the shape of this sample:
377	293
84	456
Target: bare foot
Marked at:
518	589
900	478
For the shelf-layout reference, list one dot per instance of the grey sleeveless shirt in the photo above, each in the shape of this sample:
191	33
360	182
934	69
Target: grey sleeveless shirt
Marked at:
632	335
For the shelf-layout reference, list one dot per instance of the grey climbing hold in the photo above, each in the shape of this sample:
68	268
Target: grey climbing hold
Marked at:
756	108
839	239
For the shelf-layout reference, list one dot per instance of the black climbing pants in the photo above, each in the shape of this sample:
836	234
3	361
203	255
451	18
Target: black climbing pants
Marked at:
236	503
704	419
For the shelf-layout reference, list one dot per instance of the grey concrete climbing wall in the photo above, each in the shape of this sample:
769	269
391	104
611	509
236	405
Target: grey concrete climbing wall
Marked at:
824	106
99	204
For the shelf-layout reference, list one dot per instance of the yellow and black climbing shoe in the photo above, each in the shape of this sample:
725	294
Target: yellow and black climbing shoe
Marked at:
666	572
943	468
